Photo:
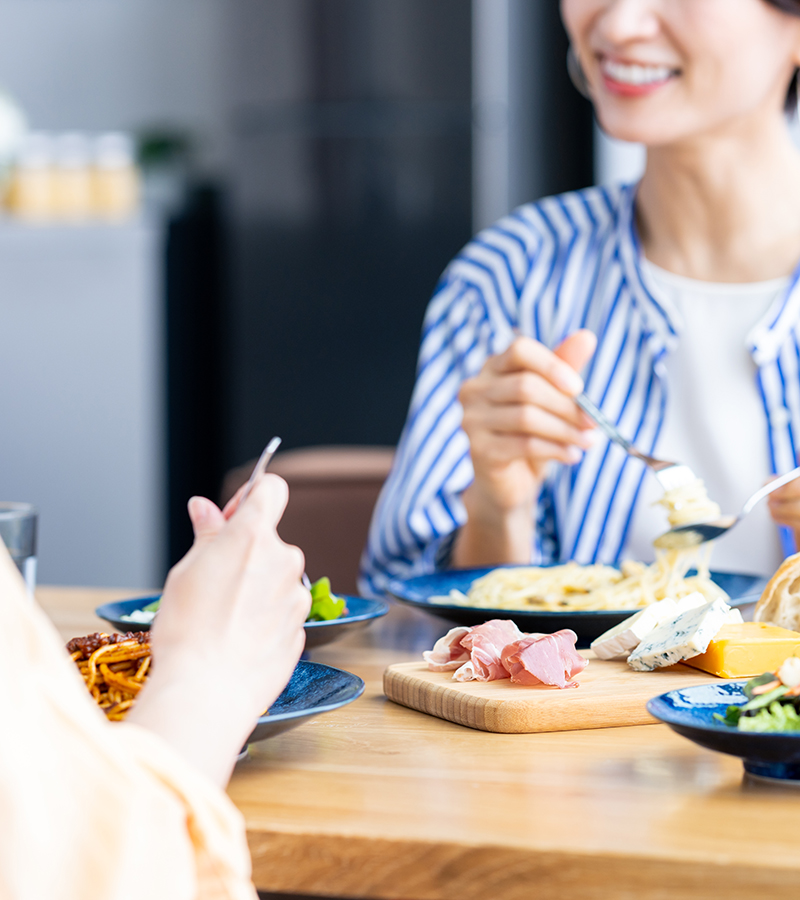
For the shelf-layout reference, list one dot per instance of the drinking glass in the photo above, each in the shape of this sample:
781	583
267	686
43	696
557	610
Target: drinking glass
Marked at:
18	533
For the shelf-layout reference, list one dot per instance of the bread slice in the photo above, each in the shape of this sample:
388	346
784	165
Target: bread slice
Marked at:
780	602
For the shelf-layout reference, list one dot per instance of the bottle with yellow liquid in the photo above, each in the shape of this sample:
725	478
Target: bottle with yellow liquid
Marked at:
115	177
72	177
31	194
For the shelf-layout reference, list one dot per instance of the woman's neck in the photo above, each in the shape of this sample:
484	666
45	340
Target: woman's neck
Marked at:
724	207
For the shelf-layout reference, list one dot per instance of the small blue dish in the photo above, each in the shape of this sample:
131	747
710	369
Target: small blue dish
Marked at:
690	712
313	689
587	624
360	612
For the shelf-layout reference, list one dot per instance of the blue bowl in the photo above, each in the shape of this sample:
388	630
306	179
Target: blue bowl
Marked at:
587	624
313	689
690	712
360	612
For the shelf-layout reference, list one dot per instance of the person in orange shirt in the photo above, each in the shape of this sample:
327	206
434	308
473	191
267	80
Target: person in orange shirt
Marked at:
125	810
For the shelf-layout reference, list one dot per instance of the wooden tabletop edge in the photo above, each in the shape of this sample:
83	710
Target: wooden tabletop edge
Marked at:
391	868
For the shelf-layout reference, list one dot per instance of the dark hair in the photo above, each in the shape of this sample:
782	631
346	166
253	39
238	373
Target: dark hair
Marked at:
793	8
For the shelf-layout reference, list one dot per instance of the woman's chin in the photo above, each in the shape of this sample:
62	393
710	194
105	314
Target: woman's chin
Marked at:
638	130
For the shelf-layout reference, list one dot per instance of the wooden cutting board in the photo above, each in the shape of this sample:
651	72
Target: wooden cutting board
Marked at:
610	694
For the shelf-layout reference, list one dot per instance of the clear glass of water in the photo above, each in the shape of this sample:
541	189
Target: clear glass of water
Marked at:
18	533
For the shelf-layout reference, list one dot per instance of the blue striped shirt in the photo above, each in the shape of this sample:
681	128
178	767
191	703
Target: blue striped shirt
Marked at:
547	269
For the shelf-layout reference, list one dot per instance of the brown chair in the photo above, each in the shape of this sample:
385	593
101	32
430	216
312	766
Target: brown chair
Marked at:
332	492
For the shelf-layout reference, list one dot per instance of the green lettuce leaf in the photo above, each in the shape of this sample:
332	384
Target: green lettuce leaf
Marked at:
757	682
763	700
731	717
776	717
324	604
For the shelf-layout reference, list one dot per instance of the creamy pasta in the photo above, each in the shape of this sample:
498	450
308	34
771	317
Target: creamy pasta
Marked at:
597	587
688	504
572	587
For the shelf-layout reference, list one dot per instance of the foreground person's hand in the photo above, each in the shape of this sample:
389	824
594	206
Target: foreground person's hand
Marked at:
519	415
229	631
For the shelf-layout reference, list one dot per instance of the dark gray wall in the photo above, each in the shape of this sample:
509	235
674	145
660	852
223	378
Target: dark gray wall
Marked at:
350	190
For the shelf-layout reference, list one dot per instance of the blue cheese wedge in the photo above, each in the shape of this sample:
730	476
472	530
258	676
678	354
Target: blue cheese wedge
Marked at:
617	642
682	637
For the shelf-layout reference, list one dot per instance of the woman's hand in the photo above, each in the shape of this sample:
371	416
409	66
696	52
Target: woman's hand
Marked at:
229	631
519	415
784	507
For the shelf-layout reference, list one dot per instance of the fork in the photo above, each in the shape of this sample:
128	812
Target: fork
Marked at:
260	467
669	474
699	532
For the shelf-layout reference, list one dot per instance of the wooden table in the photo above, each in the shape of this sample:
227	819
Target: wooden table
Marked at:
375	800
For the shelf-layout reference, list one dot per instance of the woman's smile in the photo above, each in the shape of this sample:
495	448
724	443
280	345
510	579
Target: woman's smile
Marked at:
634	79
663	72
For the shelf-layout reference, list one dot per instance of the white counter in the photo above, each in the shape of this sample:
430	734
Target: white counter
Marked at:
82	397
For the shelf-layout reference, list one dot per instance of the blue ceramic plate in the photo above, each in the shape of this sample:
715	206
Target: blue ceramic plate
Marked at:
360	612
587	625
690	712
312	689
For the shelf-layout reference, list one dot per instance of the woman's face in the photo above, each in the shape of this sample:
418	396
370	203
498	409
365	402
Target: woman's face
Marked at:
661	71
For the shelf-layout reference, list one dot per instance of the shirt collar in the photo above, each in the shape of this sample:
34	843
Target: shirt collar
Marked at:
770	332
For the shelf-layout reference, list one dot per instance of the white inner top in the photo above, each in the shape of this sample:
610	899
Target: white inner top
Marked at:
715	420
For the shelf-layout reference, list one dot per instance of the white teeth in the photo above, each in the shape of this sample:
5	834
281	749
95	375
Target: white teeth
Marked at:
635	74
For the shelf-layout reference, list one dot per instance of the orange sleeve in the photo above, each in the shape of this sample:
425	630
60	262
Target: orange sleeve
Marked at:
92	808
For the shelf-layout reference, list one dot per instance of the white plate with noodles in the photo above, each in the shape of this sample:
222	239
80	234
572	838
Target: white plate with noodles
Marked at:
589	599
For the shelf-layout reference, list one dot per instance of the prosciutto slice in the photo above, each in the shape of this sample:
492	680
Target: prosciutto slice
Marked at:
485	644
544	659
447	653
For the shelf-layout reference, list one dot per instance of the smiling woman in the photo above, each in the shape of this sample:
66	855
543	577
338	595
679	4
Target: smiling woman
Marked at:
678	296
698	65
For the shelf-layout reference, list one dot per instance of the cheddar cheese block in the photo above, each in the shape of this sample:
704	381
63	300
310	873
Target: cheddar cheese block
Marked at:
748	649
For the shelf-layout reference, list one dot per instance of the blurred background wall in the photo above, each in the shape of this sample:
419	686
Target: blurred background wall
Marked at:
101	64
324	160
